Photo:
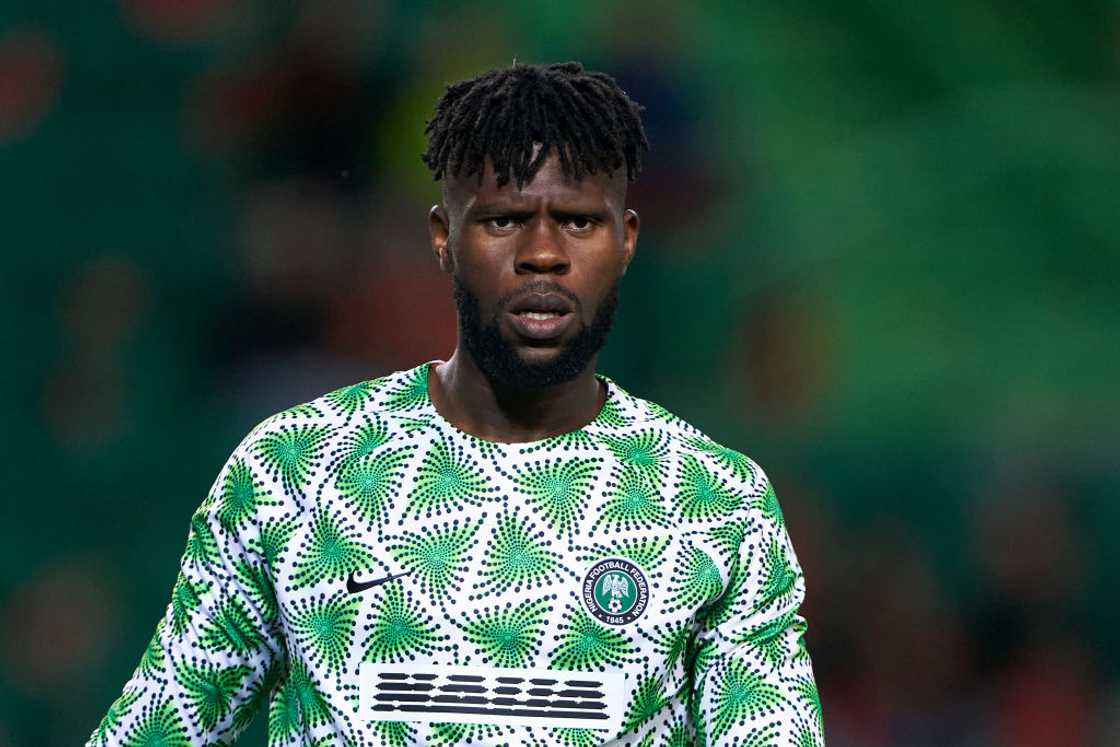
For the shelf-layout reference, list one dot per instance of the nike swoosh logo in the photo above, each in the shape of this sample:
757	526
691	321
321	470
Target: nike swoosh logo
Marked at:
354	586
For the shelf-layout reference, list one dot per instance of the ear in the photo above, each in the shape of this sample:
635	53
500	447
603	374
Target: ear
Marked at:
630	225
439	230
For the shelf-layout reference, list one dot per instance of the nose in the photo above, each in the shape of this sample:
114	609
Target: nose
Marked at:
542	252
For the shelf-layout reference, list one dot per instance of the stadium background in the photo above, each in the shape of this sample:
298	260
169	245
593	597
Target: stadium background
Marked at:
879	254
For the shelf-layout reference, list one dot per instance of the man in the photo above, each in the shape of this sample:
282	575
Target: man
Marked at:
503	548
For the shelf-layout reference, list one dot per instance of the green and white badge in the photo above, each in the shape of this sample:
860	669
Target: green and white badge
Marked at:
615	591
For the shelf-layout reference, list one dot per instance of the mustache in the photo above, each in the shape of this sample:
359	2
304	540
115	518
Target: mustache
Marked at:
539	286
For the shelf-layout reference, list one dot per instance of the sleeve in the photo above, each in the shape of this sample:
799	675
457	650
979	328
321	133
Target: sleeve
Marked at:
216	652
752	679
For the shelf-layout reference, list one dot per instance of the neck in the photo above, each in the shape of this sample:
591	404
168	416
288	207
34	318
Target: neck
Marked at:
464	396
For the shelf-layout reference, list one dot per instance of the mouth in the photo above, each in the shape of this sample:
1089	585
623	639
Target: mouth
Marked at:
541	303
541	316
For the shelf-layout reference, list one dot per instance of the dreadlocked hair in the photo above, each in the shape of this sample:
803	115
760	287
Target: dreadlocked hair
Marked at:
584	116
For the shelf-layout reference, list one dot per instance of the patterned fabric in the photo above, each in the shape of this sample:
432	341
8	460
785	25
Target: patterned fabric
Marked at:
363	528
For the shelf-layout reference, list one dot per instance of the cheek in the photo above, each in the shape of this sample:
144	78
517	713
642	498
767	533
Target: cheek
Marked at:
482	262
595	294
605	270
480	284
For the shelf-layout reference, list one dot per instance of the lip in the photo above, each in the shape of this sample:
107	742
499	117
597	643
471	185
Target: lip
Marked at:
540	329
553	302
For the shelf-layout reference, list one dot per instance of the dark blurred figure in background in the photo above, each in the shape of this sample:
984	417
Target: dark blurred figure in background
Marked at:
914	314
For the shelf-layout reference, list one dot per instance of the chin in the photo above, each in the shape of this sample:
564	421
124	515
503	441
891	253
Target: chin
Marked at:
539	357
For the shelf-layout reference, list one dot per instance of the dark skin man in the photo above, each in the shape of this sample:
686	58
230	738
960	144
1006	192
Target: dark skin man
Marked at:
506	548
508	245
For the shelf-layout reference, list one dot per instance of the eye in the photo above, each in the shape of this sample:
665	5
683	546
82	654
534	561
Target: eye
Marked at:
580	223
501	222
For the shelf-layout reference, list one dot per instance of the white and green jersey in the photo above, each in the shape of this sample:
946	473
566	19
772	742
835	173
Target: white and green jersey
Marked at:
378	576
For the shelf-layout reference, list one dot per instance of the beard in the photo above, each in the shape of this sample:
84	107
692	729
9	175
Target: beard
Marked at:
499	361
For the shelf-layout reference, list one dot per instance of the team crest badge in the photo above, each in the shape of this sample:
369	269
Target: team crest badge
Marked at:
615	591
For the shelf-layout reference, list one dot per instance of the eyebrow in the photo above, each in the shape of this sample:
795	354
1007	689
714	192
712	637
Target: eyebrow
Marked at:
518	206
506	206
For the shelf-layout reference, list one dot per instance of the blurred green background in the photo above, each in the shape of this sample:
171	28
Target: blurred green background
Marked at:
879	254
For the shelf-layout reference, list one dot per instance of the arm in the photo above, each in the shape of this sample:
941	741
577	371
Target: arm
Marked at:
752	680
215	653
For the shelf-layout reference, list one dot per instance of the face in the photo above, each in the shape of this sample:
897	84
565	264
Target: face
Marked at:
535	269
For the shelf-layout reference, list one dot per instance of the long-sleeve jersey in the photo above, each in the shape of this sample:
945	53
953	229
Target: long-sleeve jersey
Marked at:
377	576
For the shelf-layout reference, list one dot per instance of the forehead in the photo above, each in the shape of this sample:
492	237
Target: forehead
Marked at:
549	183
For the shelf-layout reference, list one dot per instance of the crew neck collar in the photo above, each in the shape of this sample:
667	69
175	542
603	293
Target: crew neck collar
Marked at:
601	419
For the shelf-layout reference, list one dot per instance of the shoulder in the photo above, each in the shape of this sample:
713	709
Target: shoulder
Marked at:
387	405
692	448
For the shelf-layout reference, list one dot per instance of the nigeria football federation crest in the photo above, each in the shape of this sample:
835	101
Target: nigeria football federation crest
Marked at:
615	591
